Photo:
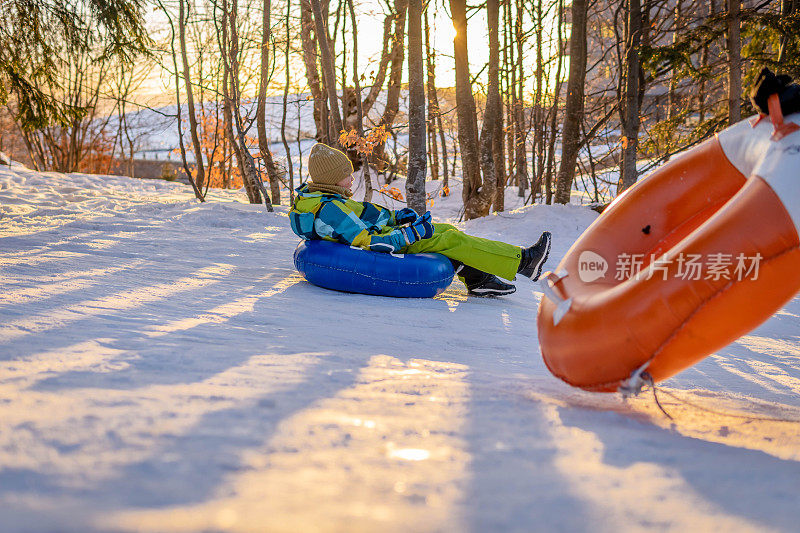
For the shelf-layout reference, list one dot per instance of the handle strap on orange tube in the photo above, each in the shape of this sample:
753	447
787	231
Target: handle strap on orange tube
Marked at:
548	283
781	128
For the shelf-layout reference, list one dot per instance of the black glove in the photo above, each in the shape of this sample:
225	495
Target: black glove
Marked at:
768	84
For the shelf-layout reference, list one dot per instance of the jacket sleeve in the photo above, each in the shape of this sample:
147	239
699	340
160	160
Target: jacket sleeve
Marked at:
338	223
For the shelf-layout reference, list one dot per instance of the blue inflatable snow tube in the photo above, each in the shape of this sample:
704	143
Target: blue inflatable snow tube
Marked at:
345	268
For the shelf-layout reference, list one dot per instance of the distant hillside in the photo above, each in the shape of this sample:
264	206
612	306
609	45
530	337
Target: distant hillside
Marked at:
155	133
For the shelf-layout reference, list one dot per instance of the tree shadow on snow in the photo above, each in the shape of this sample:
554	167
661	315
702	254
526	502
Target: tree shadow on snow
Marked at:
514	483
190	467
741	482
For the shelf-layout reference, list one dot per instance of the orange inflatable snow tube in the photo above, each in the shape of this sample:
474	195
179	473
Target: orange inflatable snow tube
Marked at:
683	263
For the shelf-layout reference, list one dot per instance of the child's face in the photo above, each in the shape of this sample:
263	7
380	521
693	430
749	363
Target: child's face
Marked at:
347	182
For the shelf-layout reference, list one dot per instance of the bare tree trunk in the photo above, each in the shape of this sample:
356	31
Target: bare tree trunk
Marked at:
673	79
509	72
383	65
538	107
493	106
396	73
433	103
499	155
498	139
630	118
573	114
226	157
261	119
37	157
417	133
734	62
701	93
299	146
289	165
548	176
513	117
39	160
248	167
253	195
365	170
644	44
327	71
435	113
520	131
456	154
787	8
249	170
187	80
443	139
309	44
475	204
395	79
349	97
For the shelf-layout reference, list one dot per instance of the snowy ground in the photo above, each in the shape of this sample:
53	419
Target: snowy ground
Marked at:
164	368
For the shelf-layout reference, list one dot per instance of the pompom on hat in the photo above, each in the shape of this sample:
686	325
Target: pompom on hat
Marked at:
328	166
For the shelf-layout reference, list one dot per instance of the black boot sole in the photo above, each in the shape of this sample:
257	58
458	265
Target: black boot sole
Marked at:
481	293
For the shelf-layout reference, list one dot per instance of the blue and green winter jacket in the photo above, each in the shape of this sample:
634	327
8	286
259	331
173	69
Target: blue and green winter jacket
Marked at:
318	215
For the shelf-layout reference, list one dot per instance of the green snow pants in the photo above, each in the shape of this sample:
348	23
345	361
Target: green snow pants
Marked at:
494	257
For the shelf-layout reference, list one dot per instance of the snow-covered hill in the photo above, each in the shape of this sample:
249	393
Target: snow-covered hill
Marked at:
164	368
154	131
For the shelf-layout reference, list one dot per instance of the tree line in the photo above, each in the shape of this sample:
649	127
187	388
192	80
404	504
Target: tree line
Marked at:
582	96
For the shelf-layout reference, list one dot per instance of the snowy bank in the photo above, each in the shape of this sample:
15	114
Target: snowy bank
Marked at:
164	368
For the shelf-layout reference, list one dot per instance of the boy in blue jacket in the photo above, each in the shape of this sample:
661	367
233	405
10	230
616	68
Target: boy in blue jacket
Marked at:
323	209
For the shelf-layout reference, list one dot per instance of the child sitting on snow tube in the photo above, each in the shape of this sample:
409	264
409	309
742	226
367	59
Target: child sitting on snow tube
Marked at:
323	210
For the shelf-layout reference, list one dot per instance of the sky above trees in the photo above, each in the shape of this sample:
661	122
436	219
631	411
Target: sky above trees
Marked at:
370	15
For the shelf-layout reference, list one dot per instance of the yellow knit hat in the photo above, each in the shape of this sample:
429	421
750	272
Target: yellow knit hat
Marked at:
328	166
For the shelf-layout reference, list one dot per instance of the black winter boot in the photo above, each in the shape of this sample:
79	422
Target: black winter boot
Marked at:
481	283
534	257
491	285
